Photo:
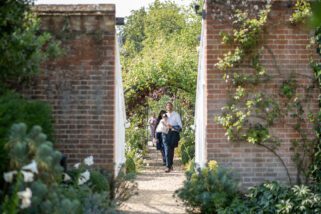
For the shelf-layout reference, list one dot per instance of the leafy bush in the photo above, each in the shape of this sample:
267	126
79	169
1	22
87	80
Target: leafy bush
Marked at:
100	181
271	197
13	109
186	146
136	139
34	174
97	204
208	189
212	190
135	148
36	182
22	47
186	150
130	164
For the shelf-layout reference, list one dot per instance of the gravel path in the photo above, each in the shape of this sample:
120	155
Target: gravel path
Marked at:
156	188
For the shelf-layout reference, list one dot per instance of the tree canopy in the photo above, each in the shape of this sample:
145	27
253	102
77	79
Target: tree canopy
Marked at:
22	46
159	54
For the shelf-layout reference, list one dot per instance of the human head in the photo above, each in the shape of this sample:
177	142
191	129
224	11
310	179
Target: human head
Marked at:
169	106
161	113
164	116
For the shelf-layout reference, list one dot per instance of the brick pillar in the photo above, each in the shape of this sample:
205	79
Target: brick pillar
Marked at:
80	85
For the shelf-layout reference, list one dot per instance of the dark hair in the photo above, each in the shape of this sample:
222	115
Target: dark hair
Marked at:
158	120
160	117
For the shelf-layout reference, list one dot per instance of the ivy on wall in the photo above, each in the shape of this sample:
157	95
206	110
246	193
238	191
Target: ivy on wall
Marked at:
251	112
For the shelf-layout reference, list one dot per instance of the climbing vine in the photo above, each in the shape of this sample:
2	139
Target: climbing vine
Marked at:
303	13
250	114
316	65
246	36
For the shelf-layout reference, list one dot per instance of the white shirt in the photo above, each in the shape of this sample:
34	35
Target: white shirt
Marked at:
174	119
161	127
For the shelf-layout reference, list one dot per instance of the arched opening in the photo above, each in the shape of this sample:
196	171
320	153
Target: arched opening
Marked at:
160	55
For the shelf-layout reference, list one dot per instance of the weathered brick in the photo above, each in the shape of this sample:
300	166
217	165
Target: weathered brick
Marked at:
80	85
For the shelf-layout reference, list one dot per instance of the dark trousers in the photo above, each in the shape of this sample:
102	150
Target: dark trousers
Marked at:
169	151
170	141
160	146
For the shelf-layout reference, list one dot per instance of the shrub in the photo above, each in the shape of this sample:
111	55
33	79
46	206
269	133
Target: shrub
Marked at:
271	197
186	150
208	189
135	148
130	164
36	182
186	146
22	47
212	190
100	181
136	139
13	109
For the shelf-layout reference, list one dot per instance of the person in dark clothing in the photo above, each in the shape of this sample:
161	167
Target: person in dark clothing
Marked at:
158	136
175	126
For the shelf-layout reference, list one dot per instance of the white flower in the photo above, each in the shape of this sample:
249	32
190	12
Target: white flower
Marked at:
193	127
25	196
8	176
89	160
136	128
77	165
256	7
27	176
66	177
32	167
84	177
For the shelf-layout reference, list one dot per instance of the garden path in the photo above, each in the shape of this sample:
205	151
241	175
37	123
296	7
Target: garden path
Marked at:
156	188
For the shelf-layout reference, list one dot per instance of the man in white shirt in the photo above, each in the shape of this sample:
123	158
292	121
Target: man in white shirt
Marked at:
175	126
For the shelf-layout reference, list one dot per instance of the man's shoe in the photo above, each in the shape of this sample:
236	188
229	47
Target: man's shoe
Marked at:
167	170
171	168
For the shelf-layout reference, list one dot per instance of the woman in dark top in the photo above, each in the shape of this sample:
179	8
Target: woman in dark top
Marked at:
158	136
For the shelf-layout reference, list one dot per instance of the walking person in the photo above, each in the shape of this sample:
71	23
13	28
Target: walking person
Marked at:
159	134
175	126
152	125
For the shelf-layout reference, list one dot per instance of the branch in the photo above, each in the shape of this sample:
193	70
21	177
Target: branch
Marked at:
279	157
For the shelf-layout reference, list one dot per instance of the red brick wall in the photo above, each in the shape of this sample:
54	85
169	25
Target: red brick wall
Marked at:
80	85
288	44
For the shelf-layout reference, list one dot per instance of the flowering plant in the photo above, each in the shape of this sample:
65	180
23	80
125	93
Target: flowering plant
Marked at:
36	182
